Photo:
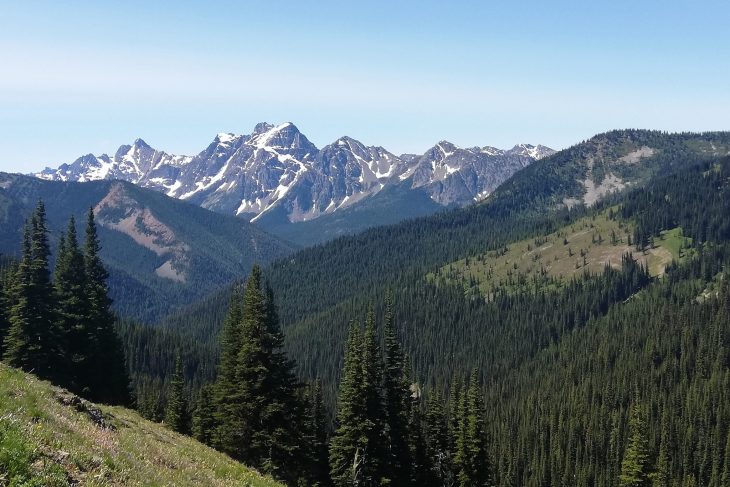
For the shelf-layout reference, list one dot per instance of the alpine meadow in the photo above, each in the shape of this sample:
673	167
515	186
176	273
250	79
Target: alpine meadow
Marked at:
494	280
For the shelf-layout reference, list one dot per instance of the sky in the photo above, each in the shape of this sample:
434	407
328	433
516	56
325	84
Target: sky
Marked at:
79	77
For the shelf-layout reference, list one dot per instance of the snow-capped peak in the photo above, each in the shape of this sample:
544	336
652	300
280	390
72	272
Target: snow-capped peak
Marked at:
225	137
139	143
533	151
277	167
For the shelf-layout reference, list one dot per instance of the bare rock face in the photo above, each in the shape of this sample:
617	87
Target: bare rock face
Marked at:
276	169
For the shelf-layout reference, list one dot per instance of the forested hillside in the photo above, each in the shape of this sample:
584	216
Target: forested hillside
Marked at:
478	364
161	253
359	270
602	377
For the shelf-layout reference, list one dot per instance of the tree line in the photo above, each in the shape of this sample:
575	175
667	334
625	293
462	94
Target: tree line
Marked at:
61	327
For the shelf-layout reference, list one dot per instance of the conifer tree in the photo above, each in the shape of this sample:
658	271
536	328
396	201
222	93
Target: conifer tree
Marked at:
358	454
472	460
661	477
283	415
177	406
225	436
31	342
397	402
419	466
375	471
108	380
347	447
438	441
316	430
725	479
257	401
71	310
635	463
7	271
204	419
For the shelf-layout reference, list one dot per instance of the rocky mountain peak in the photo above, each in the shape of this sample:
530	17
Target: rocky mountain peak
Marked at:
278	168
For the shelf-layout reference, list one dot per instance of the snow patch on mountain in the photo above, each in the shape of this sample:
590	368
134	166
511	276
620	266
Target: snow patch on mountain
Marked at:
277	167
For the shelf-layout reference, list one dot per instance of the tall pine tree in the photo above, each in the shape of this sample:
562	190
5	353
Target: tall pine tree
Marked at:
176	412
32	339
438	441
472	457
108	380
71	310
204	422
358	451
316	441
635	464
348	442
397	402
259	411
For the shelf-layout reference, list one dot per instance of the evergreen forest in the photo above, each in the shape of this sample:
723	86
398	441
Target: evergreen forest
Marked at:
345	364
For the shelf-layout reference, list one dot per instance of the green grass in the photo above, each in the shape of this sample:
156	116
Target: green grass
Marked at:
674	241
587	245
46	443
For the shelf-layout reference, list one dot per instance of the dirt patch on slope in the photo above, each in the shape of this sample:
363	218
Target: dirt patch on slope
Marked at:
637	155
119	211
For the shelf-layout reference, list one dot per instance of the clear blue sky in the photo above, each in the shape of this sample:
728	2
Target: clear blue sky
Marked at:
82	76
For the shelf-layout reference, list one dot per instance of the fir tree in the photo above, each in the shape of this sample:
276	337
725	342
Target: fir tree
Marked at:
438	441
6	272
32	339
725	479
419	467
472	458
635	464
225	435
375	471
662	475
348	445
397	402
177	406
108	380
316	444
204	419
71	310
258	407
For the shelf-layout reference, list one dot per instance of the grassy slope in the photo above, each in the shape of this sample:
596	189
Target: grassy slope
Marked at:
590	242
49	443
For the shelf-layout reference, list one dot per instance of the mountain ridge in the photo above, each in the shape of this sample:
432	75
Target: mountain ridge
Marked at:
277	167
161	253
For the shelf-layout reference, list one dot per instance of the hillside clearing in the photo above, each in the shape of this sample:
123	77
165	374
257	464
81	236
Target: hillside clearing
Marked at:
588	245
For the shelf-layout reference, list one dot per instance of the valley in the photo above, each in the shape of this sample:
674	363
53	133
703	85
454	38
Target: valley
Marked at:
364	244
516	302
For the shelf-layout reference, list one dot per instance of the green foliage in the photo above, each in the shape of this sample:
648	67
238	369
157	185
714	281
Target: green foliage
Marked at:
72	307
176	412
220	248
48	442
315	428
32	339
471	460
258	409
204	419
396	397
64	332
18	458
635	464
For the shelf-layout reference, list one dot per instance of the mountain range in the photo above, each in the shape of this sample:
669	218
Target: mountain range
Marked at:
276	176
